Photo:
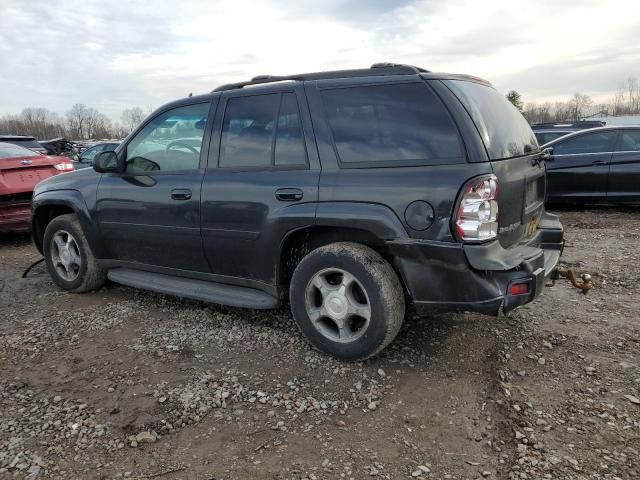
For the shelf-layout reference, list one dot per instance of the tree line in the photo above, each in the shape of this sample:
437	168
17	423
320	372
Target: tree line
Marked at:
79	123
626	101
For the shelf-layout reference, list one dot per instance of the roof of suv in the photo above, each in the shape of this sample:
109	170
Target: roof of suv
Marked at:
15	137
376	70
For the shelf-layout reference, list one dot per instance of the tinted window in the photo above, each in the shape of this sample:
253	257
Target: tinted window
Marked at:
289	147
9	150
27	143
630	141
391	123
503	129
546	137
597	142
248	132
170	142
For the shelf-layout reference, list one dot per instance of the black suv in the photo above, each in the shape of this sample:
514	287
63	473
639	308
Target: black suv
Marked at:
347	193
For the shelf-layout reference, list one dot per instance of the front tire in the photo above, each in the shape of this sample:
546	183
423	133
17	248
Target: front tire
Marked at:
68	256
347	300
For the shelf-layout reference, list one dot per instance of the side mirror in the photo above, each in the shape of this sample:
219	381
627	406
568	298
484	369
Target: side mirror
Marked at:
547	154
75	157
106	162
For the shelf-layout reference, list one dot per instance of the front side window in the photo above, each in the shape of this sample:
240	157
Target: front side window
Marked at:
391	124
630	141
262	131
596	142
170	142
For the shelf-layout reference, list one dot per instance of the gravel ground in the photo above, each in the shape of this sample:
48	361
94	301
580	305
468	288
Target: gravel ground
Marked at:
122	383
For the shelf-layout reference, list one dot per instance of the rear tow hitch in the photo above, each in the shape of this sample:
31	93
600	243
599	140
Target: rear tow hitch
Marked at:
584	285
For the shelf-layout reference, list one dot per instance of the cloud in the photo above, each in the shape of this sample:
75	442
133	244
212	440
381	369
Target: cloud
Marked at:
112	55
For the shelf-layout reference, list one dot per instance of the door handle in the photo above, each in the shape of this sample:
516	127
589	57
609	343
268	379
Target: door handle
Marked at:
598	163
181	194
289	194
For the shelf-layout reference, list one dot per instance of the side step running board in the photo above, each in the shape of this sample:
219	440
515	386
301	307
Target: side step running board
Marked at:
232	295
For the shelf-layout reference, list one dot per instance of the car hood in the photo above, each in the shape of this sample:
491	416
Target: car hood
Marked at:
75	180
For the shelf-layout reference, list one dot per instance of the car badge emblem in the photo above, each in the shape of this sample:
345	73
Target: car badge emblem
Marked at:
26	162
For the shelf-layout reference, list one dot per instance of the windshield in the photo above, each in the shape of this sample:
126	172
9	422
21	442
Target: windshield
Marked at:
503	129
9	150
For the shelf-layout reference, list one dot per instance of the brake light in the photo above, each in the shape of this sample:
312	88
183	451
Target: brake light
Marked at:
477	214
63	167
519	289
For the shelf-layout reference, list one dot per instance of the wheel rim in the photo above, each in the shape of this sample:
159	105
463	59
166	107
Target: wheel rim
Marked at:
337	305
65	255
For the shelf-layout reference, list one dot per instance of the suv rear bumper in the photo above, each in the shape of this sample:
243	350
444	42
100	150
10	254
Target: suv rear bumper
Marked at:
444	276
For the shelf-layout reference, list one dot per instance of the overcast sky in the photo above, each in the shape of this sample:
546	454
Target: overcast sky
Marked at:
113	55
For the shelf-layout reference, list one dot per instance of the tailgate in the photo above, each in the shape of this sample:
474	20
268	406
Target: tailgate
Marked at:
15	180
521	193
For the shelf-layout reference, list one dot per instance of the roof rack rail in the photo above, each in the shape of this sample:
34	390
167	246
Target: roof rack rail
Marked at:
570	124
377	69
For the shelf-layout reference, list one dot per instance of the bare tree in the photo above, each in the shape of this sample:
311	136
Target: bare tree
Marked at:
633	92
617	104
77	118
132	117
577	105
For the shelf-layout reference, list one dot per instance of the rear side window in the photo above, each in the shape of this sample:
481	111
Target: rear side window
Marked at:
503	129
391	124
630	141
596	142
261	131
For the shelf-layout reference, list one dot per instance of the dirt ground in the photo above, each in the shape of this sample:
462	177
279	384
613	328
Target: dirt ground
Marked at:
127	384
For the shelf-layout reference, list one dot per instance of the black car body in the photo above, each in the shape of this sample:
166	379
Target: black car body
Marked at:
412	165
599	165
25	141
548	131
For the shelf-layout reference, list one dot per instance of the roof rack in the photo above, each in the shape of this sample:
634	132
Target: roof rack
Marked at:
583	124
377	69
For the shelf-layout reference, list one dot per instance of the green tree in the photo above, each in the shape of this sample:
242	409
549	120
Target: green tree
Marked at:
515	98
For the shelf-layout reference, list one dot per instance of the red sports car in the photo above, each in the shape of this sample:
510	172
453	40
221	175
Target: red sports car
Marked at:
20	170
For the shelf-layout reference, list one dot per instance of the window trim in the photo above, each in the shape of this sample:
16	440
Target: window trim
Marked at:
342	165
271	166
201	162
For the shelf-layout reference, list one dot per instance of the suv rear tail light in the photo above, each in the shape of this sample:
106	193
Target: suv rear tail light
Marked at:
477	213
63	167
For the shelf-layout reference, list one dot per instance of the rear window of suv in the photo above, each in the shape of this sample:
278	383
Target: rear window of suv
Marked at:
503	129
390	125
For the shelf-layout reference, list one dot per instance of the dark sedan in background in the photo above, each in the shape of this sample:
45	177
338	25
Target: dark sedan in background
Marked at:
599	165
546	132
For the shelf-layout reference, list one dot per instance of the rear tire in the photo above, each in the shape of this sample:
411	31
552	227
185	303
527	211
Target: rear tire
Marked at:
347	300
68	256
